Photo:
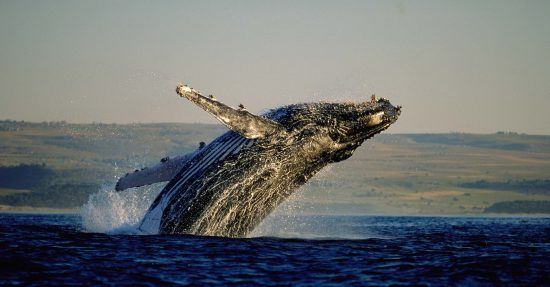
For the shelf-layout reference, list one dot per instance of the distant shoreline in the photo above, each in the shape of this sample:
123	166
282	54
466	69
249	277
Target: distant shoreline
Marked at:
54	167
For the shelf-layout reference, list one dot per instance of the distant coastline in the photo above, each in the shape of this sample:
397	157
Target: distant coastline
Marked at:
56	166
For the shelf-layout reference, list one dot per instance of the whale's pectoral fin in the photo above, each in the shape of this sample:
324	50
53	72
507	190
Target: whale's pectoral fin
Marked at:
241	121
163	171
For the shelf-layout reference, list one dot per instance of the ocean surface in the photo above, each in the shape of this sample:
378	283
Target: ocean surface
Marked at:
299	251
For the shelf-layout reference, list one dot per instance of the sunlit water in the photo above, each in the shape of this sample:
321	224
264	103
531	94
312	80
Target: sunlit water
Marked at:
314	250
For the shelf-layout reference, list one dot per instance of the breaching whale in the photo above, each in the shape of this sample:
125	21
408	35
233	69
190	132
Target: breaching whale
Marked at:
226	188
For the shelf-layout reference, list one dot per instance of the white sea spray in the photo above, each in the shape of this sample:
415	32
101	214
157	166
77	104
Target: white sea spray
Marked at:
112	212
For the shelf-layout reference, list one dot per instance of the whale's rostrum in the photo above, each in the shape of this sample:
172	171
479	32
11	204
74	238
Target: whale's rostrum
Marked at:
229	186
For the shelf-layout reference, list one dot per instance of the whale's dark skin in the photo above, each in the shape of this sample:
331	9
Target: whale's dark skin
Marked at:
287	146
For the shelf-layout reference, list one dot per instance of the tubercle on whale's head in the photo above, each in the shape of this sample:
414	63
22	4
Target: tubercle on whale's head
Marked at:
358	122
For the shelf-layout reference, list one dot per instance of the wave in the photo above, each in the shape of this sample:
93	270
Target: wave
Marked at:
112	212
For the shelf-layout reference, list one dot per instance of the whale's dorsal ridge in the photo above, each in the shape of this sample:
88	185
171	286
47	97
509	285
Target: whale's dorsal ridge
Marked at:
241	121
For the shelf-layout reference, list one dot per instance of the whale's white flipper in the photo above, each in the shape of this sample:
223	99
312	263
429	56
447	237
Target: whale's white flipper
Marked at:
164	171
241	121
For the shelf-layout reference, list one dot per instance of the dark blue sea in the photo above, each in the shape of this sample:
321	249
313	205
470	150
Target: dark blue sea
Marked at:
334	250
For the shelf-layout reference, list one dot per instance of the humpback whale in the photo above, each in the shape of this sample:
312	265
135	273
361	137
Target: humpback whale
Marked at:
226	188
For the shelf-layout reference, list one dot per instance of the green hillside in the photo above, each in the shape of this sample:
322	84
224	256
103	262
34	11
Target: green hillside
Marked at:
58	165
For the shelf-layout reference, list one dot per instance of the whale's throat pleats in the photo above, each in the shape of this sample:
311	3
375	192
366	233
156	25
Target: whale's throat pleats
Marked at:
213	154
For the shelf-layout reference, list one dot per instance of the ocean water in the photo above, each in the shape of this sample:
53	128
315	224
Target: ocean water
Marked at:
58	250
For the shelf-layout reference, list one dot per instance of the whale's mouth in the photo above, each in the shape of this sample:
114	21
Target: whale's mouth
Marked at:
376	130
378	122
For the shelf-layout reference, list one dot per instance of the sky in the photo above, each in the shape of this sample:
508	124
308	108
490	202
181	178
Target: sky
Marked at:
454	66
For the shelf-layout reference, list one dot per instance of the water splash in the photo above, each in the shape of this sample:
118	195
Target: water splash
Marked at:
108	211
323	227
303	215
298	218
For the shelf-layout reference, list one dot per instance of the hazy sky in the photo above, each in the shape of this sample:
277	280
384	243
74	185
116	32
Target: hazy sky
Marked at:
467	66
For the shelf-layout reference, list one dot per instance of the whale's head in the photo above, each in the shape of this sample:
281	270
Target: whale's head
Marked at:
356	122
350	124
345	125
